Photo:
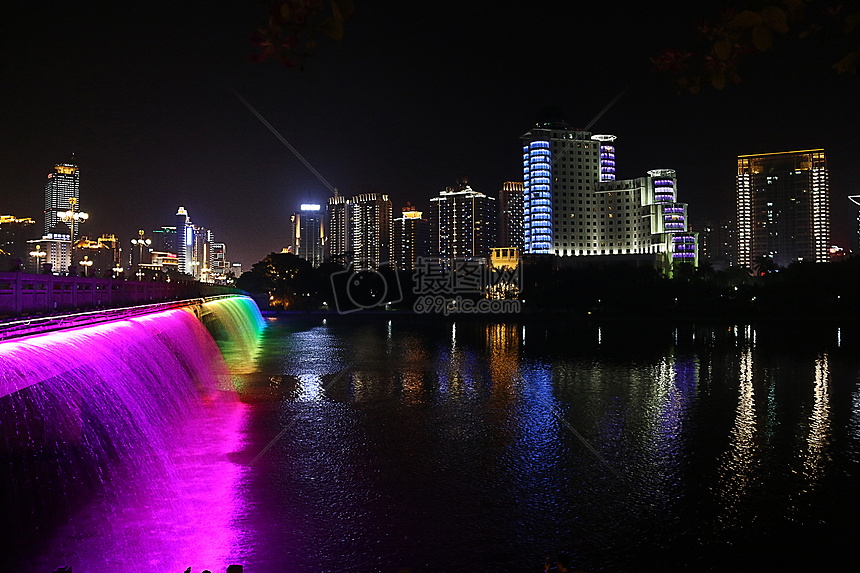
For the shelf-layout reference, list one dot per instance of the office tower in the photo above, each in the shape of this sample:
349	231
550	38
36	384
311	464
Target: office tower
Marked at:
359	230
511	215
14	234
306	234
62	195
412	238
193	247
184	242
462	223
783	205
574	206
855	236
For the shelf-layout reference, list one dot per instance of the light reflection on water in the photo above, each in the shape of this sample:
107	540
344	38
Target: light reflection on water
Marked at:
456	446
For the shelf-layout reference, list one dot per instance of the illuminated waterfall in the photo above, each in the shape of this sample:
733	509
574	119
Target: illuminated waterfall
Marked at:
131	420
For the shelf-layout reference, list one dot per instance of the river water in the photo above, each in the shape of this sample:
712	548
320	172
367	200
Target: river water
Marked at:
382	445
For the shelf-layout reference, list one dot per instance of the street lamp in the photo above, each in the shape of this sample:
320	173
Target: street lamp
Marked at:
71	216
38	254
141	244
87	264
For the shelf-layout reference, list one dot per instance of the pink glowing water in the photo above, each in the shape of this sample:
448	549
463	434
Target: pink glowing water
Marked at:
117	437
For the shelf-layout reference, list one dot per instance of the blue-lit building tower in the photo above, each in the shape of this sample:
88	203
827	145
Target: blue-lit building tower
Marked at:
574	206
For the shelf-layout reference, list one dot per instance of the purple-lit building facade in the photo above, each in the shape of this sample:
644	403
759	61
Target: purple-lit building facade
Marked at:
575	207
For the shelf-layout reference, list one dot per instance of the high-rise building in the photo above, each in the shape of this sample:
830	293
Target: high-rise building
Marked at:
306	234
783	202
574	206
462	223
371	231
359	230
412	238
337	229
855	236
511	215
193	247
62	196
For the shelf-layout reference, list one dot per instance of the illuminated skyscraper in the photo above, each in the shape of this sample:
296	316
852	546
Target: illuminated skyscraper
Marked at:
193	248
62	194
359	230
337	228
462	223
371	231
306	234
783	202
574	206
411	238
511	215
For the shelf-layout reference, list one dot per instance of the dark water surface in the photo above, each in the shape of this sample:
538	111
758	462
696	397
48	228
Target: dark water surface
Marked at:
469	446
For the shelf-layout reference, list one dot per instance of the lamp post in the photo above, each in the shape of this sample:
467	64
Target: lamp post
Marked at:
71	216
39	255
87	263
141	244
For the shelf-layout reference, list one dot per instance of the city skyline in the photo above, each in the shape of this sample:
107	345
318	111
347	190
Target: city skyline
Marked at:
155	123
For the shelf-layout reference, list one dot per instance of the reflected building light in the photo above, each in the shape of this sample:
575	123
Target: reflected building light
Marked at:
676	336
854	425
819	422
599	335
453	334
524	335
737	467
838	338
389	331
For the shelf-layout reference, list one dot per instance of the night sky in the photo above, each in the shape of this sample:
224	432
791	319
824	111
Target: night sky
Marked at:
416	94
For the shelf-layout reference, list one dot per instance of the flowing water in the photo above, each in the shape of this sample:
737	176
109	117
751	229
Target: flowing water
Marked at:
466	446
384	445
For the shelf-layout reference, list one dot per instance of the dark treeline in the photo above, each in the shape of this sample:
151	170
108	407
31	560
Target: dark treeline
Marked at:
803	290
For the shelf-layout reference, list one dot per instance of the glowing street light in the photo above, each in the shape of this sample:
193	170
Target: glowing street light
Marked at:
39	255
71	216
141	244
87	263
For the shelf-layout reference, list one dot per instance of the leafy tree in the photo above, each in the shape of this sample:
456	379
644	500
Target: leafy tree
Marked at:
739	32
287	279
294	26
